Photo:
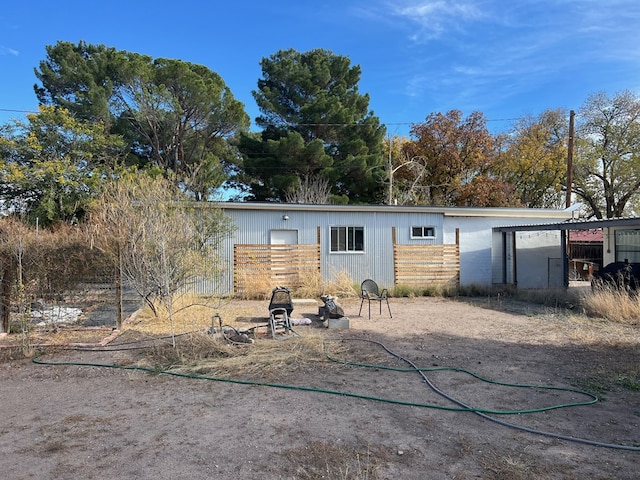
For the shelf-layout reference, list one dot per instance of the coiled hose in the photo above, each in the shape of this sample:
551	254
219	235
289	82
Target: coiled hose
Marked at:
460	406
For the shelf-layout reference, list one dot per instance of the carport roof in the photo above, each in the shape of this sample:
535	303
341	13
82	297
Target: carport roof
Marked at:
572	225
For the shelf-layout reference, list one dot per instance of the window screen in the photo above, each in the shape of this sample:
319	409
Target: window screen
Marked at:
347	239
628	246
423	232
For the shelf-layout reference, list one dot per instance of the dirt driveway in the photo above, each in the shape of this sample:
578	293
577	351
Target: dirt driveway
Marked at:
87	422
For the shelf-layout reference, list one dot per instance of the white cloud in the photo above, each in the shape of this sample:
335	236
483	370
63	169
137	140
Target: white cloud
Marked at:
8	51
433	18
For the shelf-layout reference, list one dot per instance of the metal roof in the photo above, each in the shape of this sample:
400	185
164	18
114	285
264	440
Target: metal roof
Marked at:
446	211
573	225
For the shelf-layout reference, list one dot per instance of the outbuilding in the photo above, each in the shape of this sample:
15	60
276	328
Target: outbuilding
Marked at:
414	246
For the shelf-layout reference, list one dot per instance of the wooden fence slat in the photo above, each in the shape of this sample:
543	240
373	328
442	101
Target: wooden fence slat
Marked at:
414	265
427	265
277	264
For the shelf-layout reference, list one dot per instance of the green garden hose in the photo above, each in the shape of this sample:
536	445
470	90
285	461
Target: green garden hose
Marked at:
460	406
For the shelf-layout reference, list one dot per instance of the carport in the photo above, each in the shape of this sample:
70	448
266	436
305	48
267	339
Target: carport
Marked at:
509	268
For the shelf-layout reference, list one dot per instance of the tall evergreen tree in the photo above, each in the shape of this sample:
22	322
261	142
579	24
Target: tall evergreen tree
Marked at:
82	78
175	115
315	123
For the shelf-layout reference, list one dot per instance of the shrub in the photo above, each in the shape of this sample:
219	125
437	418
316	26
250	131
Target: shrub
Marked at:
614	304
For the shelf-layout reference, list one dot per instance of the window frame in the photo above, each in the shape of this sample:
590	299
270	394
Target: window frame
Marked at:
423	236
347	230
626	250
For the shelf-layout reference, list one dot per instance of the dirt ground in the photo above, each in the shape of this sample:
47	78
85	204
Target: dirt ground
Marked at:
89	422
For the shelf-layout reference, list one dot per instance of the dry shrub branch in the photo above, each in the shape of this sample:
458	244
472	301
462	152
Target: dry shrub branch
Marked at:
43	264
157	240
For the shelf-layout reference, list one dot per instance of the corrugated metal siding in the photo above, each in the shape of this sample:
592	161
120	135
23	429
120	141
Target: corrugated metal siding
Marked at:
375	262
480	249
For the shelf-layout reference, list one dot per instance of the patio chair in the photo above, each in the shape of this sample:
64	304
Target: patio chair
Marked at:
280	307
370	292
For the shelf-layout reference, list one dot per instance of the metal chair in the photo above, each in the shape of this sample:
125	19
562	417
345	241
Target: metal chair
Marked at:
370	292
279	320
280	307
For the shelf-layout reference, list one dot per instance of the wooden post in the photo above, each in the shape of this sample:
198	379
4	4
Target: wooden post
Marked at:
565	259
118	281
504	258
5	295
395	255
515	260
458	249
572	115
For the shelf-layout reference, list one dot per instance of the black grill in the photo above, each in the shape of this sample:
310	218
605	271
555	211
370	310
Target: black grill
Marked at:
281	298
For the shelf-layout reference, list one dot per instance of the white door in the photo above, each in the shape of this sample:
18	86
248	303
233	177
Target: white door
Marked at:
284	237
281	256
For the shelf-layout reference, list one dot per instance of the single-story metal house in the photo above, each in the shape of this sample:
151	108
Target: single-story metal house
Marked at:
394	245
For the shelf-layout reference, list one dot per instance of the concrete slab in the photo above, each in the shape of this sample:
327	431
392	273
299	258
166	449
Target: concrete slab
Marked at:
341	323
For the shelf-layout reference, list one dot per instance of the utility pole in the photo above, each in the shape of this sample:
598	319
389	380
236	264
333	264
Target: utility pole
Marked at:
390	170
572	115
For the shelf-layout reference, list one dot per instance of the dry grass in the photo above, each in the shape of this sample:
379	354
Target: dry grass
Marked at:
436	290
319	460
259	285
266	359
311	286
550	297
614	305
192	313
463	447
62	336
342	286
587	330
510	467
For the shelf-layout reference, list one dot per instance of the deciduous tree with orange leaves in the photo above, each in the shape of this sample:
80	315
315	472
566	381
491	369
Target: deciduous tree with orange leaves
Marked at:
459	155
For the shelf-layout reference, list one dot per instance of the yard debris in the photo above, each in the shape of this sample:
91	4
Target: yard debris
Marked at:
56	315
331	307
234	337
332	313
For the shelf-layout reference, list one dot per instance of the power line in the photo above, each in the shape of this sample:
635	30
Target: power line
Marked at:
511	119
16	110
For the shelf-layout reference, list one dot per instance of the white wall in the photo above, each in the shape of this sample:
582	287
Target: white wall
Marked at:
481	255
536	252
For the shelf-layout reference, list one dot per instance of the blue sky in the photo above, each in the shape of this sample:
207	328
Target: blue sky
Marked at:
505	58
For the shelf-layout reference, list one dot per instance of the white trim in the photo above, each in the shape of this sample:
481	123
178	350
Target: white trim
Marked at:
422	237
346	250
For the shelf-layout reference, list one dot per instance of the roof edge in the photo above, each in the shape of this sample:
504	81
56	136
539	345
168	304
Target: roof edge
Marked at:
572	225
447	211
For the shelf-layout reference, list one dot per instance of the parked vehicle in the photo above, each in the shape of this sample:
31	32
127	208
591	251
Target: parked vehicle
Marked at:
618	275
